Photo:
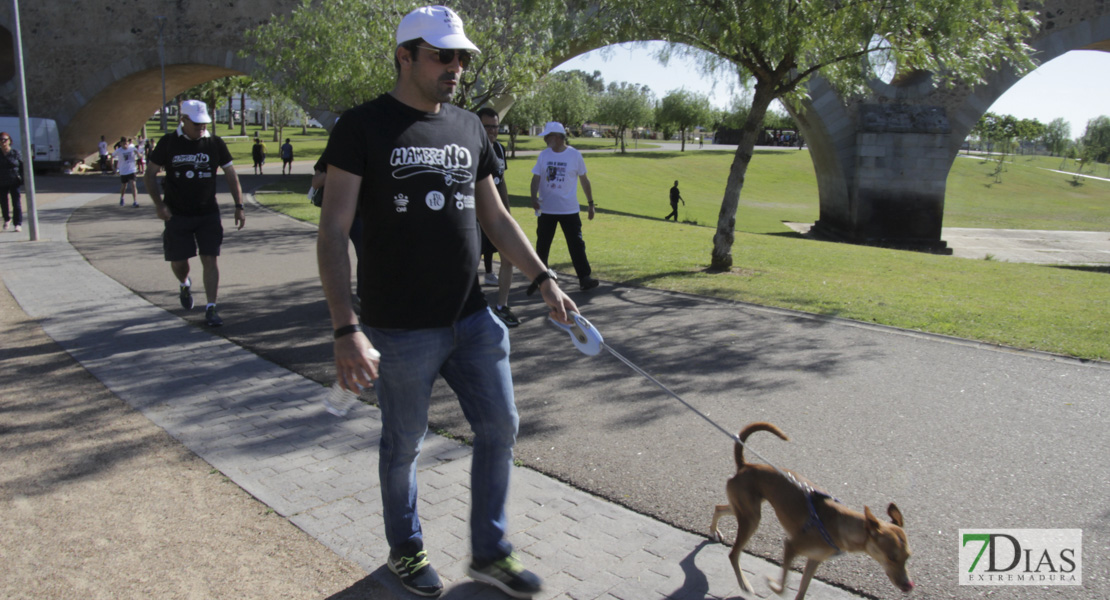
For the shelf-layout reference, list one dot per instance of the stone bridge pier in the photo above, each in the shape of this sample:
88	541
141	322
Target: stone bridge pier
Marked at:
882	161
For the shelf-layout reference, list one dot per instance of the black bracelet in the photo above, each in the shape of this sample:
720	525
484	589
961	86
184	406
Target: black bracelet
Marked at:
347	330
542	277
238	207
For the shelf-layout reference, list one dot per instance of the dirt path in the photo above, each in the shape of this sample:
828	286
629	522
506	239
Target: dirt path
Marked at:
98	502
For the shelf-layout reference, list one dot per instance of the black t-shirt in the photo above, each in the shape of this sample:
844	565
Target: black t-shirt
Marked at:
191	165
421	247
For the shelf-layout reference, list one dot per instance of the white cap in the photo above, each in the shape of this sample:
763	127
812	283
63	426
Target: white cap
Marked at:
438	25
554	127
196	110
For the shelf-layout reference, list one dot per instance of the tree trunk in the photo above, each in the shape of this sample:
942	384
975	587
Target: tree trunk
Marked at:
721	259
683	130
230	111
243	113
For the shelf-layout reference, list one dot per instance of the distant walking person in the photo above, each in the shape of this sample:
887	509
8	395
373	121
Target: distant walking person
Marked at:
102	150
676	197
127	158
192	217
555	179
287	157
11	178
258	153
491	123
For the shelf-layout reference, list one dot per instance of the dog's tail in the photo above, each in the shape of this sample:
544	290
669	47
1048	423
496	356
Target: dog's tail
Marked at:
750	429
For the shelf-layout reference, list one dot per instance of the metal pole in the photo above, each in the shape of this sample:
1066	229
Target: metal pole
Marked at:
25	129
162	60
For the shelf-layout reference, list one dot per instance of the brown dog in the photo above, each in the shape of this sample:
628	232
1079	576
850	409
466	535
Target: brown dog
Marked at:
817	526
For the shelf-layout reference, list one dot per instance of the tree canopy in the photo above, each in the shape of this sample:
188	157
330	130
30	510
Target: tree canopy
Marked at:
685	110
337	54
626	106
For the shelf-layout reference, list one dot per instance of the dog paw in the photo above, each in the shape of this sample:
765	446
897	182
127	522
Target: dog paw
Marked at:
715	536
775	586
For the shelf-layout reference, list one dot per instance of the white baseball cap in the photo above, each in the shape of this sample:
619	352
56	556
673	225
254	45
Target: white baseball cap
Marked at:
554	127
196	110
438	25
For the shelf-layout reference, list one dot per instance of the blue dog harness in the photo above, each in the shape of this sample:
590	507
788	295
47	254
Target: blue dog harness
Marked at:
814	521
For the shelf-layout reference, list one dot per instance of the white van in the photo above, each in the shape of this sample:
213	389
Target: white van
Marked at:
45	141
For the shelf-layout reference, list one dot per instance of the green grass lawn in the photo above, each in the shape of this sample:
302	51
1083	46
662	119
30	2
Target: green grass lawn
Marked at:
306	146
1053	309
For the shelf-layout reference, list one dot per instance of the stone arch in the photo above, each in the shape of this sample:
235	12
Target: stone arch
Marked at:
117	100
1089	34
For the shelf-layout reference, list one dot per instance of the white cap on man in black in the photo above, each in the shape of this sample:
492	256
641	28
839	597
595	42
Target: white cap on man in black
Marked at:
438	25
196	110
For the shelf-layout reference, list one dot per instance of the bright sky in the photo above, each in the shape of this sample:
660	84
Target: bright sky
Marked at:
1074	86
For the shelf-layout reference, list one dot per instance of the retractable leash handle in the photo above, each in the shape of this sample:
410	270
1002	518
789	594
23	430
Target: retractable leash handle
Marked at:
585	336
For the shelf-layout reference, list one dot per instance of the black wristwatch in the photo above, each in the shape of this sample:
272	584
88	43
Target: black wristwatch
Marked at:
542	277
238	207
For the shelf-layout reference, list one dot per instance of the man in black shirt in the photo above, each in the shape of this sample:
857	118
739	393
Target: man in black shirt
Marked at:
419	170
191	156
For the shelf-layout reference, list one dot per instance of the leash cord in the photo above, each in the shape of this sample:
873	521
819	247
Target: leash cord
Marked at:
647	376
814	520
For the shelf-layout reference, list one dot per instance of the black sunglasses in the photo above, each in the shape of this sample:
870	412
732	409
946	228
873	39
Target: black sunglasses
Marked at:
446	56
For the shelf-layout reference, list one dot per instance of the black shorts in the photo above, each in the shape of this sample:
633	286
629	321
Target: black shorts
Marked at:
123	179
183	236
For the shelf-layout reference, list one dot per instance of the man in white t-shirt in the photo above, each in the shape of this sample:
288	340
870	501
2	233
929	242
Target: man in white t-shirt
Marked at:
555	179
127	158
102	152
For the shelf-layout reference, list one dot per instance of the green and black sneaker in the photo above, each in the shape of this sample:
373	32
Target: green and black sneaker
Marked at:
416	573
509	576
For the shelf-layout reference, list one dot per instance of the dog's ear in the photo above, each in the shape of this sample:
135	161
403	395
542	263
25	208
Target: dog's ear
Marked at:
895	515
872	522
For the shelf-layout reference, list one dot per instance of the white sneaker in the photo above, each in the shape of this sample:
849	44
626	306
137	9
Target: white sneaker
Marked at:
491	279
18	228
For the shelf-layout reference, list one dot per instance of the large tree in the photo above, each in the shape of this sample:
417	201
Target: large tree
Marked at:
569	99
778	45
685	110
626	106
337	54
1057	136
529	110
1096	140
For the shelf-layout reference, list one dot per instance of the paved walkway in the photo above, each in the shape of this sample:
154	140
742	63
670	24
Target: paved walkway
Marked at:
959	434
263	427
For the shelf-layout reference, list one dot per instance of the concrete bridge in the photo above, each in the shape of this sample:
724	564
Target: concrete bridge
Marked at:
882	161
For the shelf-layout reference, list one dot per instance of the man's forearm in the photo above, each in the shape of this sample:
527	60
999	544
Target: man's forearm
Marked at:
335	276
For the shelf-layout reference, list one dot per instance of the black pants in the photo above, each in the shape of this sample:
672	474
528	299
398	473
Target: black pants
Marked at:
16	211
674	212
572	231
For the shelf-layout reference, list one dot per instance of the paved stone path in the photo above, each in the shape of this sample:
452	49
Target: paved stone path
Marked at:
263	427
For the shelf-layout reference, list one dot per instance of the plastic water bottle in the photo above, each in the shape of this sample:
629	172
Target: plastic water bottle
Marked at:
339	401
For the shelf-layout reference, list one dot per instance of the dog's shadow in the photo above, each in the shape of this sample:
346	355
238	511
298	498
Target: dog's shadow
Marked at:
695	585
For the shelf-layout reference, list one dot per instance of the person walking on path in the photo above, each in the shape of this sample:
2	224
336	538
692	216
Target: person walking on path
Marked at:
420	172
287	157
127	158
555	177
258	153
191	156
102	151
11	178
491	123
676	197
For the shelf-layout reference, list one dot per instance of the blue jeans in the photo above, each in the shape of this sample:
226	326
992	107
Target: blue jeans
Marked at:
473	358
